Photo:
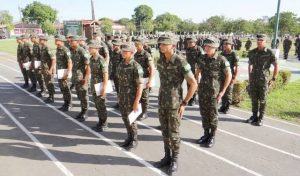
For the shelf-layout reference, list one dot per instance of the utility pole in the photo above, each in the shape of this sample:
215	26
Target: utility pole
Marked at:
276	25
93	10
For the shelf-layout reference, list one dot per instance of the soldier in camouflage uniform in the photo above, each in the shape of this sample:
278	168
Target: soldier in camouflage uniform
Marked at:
145	60
193	53
114	62
80	75
103	51
260	60
173	69
28	57
82	43
20	59
233	60
63	61
248	44
38	71
130	75
215	74
48	68
68	45
99	74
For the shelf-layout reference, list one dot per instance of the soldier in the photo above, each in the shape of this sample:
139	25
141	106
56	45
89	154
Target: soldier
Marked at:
145	60
20	59
287	44
215	77
130	75
297	46
238	44
48	63
108	42
38	71
68	41
248	44
193	53
63	61
260	60
99	74
80	75
103	51
113	64
233	60
173	69
28	57
82	43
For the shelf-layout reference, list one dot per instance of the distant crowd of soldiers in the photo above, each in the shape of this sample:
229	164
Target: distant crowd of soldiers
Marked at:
128	63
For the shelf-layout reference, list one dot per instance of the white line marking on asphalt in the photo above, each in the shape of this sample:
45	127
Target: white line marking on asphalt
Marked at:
113	144
38	143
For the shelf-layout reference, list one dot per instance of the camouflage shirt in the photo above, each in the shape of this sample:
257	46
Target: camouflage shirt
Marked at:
213	71
80	59
98	68
36	52
27	52
232	58
261	61
46	57
130	76
115	60
63	56
172	73
20	52
145	60
192	55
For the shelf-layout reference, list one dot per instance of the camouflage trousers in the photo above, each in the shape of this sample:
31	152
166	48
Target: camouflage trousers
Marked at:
40	78
145	100
65	90
116	82
258	94
193	99
131	129
49	82
227	97
25	75
170	123
32	76
101	108
82	94
209	111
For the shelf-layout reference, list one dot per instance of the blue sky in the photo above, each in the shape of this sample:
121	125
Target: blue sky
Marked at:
197	10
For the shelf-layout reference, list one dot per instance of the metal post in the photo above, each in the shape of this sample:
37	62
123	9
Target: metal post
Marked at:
276	24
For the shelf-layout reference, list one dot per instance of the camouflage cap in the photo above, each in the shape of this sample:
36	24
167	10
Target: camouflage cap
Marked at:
76	38
43	37
83	38
191	39
25	36
166	39
117	42
228	41
60	38
261	36
127	47
139	40
94	44
212	42
18	38
33	35
69	35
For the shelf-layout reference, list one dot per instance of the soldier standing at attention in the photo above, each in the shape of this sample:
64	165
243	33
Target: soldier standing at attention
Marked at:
287	44
115	60
233	60
260	61
130	77
248	44
173	69
193	53
48	62
99	74
20	59
80	75
145	60
28	57
63	61
215	77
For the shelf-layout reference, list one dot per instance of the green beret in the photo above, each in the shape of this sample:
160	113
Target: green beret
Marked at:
212	42
60	38
117	42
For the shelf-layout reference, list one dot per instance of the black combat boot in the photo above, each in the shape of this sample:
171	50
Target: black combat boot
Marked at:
62	107
166	160
72	87
133	143
127	141
174	164
253	118
81	117
32	88
25	86
144	114
41	93
50	99
211	140
204	138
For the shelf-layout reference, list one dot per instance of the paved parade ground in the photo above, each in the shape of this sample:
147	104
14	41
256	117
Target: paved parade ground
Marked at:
36	139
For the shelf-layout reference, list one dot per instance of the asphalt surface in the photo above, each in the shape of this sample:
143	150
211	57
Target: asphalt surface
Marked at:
37	139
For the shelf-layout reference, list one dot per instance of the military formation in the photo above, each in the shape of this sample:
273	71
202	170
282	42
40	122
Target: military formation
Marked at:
209	67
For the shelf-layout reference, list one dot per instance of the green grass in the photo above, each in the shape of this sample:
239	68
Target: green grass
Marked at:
282	103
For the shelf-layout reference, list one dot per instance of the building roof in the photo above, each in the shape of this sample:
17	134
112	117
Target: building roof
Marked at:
27	25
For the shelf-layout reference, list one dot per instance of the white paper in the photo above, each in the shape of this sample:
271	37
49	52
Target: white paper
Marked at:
276	53
134	115
98	87
26	65
146	81
37	64
62	72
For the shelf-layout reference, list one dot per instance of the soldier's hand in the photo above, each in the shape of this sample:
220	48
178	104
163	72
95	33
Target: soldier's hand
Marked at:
219	97
65	77
83	81
270	83
135	106
181	111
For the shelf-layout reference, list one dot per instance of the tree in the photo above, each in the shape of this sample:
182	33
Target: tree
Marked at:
6	19
128	23
188	26
287	23
106	26
39	13
167	22
49	27
216	23
142	17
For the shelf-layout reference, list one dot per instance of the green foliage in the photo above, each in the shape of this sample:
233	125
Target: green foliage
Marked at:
49	27
129	23
6	19
142	17
167	22
287	23
188	26
106	25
